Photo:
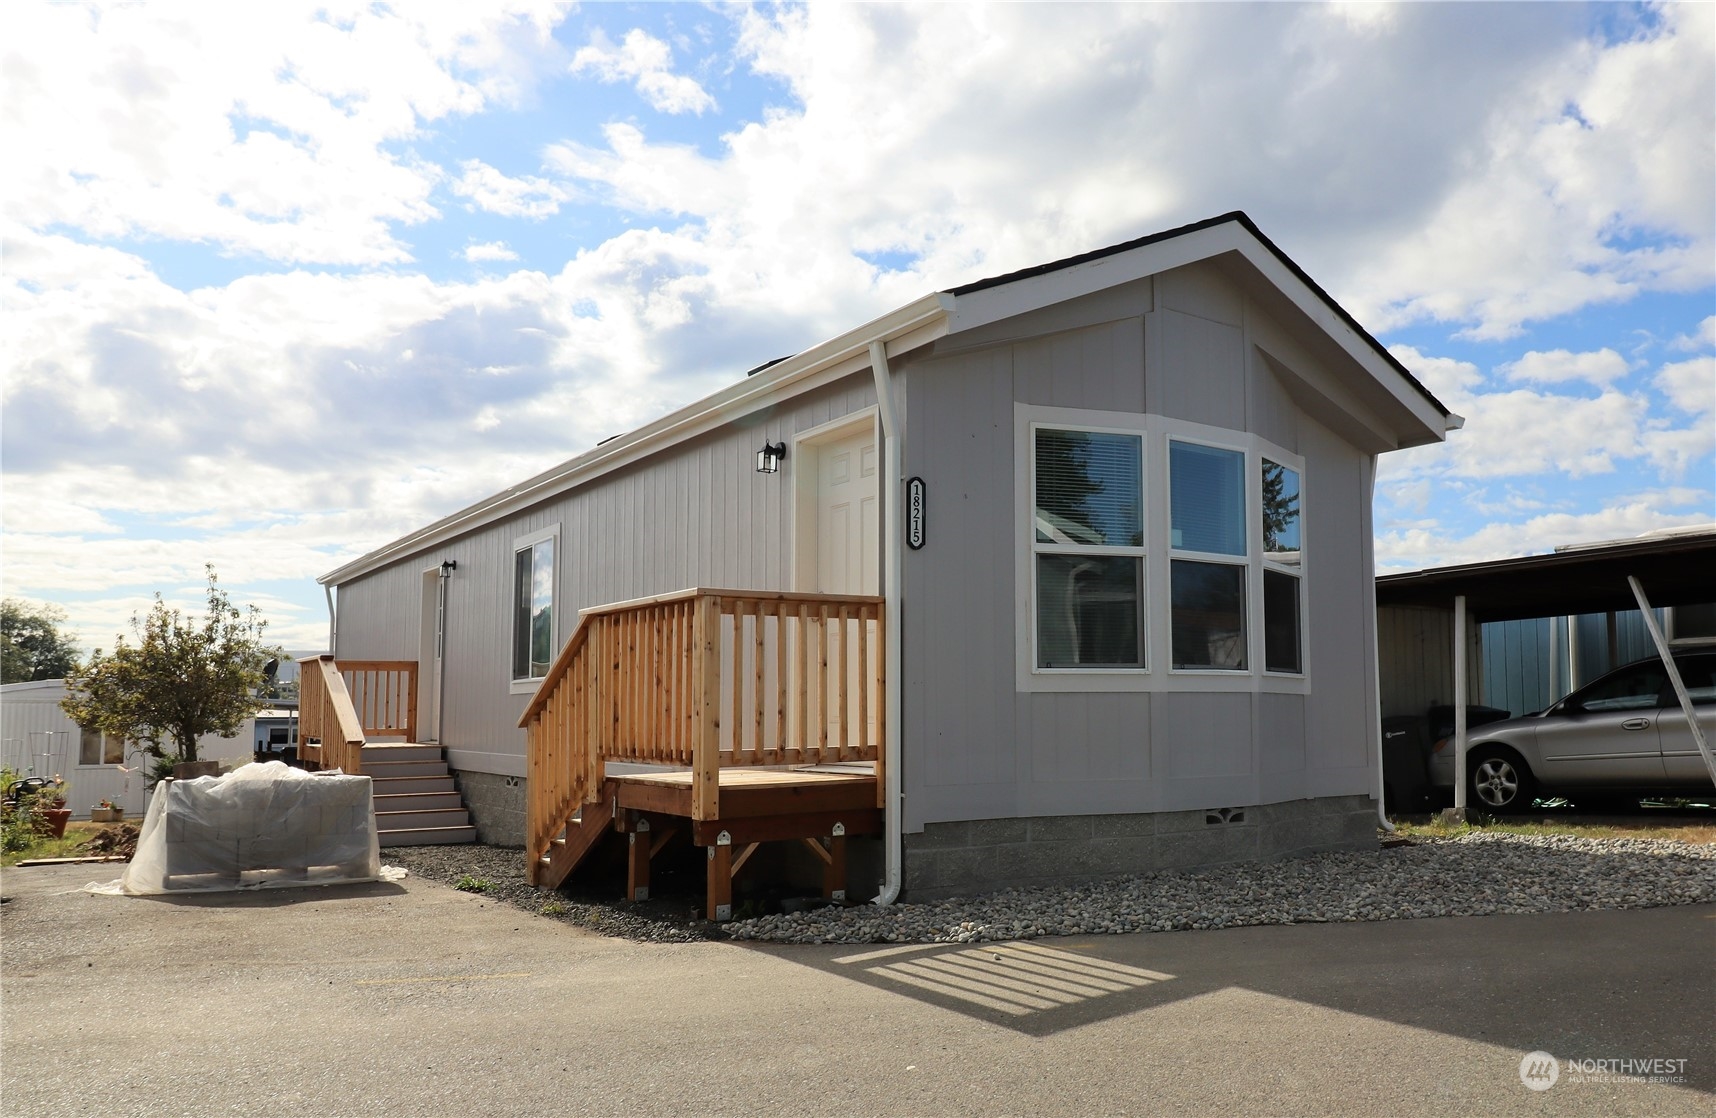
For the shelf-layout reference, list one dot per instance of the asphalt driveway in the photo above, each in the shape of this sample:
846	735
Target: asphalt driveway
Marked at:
414	999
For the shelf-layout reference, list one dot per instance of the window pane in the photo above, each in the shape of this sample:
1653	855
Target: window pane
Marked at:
1280	514
1088	611
89	748
1209	615
1207	498
1280	622
521	616
1089	488
541	608
1637	688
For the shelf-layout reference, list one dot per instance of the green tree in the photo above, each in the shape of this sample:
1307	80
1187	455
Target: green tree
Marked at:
182	679
31	643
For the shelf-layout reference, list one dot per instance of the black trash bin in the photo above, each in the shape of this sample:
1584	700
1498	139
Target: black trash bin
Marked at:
1405	764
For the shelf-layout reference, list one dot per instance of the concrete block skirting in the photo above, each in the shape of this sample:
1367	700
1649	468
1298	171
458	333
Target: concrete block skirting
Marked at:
979	856
496	804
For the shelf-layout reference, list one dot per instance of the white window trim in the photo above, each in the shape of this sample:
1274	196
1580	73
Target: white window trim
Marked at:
519	543
1157	431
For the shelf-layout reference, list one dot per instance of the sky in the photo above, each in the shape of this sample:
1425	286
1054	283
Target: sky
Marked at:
284	282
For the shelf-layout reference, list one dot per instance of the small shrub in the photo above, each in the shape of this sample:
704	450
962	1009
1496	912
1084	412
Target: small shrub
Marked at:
469	884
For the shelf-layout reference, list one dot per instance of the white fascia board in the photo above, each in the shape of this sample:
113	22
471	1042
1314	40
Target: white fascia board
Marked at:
1313	306
916	323
979	308
992	304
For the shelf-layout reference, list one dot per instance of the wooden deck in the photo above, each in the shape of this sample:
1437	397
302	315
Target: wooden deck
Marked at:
818	808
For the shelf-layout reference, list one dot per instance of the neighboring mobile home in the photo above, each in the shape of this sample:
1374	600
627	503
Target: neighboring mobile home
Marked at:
1078	559
37	738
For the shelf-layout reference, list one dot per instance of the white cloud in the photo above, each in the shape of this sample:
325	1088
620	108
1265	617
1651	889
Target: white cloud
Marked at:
1557	366
647	61
496	193
274	130
488	251
1630	515
1703	338
1690	385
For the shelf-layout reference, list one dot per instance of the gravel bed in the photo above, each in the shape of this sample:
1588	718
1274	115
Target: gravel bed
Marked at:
1475	874
1471	875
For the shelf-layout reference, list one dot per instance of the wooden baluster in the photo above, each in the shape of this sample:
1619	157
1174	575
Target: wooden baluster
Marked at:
822	682
802	687
863	681
845	679
761	748
738	715
780	680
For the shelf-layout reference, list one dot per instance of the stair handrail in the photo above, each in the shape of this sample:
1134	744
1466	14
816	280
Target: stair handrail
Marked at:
326	714
383	693
649	680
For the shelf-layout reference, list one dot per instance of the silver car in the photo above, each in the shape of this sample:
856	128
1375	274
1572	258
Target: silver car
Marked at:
1622	736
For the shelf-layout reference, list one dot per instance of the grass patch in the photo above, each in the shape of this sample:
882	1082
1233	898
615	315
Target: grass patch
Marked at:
554	908
469	884
71	846
1698	833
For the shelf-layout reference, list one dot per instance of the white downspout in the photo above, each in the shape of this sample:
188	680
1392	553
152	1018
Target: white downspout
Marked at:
1373	649
332	624
893	822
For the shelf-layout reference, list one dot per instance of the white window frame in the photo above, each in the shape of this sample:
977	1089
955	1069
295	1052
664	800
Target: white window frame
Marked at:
1158	674
522	543
101	745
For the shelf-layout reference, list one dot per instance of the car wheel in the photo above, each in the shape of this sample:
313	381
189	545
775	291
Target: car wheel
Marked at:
1498	781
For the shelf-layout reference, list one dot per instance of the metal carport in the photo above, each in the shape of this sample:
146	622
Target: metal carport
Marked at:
1669	568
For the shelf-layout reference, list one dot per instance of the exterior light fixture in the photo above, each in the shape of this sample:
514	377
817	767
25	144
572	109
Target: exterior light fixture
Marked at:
770	457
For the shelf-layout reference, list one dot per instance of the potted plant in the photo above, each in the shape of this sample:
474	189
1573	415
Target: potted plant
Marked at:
107	812
51	801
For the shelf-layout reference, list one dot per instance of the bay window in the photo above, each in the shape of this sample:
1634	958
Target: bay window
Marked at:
1156	542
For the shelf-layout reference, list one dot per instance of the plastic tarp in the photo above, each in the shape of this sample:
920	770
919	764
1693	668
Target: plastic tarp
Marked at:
263	826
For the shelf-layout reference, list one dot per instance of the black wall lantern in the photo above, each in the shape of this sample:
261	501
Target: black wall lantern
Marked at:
770	457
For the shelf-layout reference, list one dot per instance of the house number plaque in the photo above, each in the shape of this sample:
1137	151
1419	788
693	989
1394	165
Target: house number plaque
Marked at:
915	513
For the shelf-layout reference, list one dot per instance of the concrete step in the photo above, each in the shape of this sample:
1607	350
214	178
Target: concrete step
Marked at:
419	820
428	836
416	801
404	768
399	751
411	785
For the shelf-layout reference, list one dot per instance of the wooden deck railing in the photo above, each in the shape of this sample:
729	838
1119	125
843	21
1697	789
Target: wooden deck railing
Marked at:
343	703
326	716
704	679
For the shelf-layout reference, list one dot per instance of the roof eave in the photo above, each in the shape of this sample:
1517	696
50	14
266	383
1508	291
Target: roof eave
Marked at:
915	323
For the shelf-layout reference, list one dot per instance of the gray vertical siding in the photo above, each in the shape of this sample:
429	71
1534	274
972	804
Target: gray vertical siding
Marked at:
700	515
1176	348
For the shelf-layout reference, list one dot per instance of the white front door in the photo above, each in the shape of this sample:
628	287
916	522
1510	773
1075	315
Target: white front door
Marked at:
848	525
430	648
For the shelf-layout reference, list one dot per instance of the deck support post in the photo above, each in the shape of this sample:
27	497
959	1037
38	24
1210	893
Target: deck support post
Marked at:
834	870
637	857
720	879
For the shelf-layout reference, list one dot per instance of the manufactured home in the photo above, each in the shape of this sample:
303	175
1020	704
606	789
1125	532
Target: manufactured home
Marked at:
37	738
1058	574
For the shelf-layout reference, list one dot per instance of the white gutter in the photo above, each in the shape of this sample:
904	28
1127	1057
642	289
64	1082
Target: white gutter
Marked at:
892	540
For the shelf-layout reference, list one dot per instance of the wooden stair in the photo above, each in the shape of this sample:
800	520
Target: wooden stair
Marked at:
416	801
582	833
